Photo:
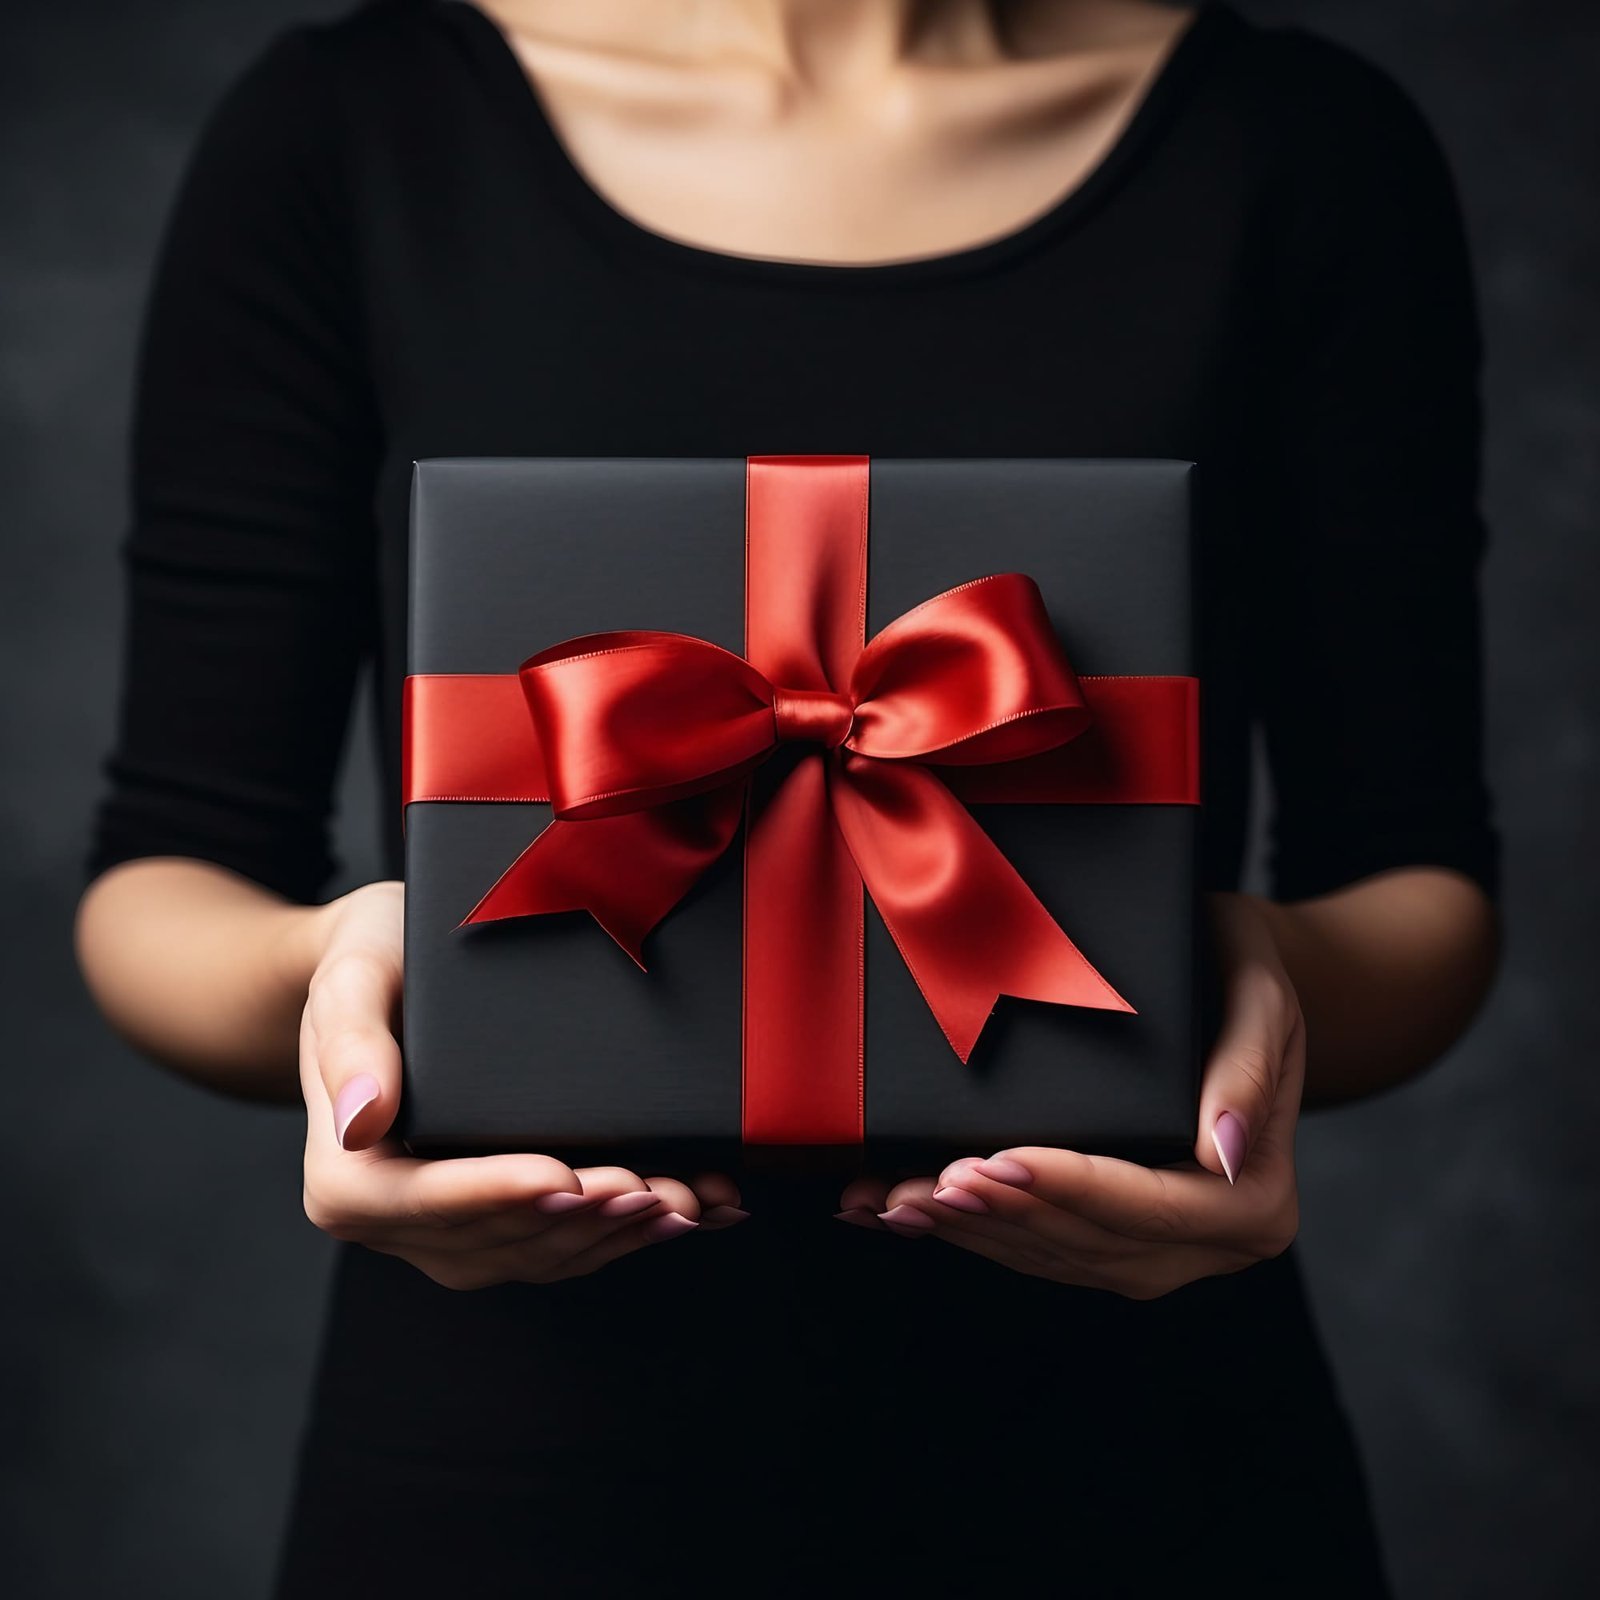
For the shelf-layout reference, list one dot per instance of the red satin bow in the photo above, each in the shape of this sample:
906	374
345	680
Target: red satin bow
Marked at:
650	740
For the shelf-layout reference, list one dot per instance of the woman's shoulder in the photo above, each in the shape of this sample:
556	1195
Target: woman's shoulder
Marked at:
384	67
1308	101
380	50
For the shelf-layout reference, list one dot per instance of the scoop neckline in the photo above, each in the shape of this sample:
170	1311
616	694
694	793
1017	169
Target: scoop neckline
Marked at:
523	96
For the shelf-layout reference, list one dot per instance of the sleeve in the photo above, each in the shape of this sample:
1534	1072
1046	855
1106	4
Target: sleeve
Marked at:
250	562
1369	677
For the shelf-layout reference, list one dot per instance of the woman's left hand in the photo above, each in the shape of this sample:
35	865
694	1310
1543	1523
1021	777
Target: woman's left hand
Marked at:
1144	1231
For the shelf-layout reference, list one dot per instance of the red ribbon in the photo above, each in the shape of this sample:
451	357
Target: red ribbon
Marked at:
646	745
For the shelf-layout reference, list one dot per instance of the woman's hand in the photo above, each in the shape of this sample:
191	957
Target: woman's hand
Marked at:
466	1223
1142	1231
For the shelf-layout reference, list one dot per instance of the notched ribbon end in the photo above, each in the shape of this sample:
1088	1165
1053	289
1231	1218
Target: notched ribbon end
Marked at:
629	940
964	1040
485	912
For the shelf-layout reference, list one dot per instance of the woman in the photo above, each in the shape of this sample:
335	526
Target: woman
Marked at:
1099	228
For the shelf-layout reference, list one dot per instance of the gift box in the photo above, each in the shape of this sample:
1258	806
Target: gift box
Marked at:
800	809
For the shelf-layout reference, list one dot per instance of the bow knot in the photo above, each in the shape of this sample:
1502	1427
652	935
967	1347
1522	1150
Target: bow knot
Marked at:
812	716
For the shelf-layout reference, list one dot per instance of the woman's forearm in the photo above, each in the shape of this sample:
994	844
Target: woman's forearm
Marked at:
1389	972
202	970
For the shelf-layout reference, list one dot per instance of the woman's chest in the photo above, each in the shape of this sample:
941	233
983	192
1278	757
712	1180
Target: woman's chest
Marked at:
522	333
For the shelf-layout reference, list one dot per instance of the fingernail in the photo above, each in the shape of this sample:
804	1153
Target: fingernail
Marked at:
722	1216
861	1217
905	1219
668	1226
956	1168
1228	1135
630	1204
960	1199
562	1200
351	1101
1004	1170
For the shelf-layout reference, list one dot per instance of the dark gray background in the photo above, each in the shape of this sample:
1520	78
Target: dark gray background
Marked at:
164	1291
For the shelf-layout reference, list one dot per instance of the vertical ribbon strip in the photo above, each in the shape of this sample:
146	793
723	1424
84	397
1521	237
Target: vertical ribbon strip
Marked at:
805	622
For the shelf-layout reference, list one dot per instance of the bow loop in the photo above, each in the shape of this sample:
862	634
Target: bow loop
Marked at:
973	676
631	720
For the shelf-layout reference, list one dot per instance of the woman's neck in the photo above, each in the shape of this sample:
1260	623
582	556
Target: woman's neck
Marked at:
837	130
820	44
833	42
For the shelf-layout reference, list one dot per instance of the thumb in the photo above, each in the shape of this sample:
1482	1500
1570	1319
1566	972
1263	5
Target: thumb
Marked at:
1234	1105
1247	1089
352	1076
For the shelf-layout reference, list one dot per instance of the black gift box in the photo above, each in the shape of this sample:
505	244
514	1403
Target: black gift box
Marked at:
541	1034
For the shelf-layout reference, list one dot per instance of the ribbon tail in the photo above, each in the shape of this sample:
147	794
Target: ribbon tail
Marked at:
626	871
969	928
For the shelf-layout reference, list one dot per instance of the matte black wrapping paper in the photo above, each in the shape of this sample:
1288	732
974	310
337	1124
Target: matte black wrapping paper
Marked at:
541	1034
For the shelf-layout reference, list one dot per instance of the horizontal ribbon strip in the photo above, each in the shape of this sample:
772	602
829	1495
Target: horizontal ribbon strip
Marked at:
468	737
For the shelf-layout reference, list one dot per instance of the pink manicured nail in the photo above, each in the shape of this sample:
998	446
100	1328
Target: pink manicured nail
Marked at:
1229	1136
722	1216
351	1101
906	1219
961	1199
630	1204
1004	1170
667	1226
957	1168
861	1217
562	1200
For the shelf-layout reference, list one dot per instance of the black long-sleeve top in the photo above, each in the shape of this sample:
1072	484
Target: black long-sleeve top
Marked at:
382	252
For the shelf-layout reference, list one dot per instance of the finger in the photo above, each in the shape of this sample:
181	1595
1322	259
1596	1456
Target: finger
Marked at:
620	1239
1045	1241
1155	1204
1240	1086
621	1201
1029	1235
715	1189
1016	1219
612	1191
719	1200
908	1208
608	1192
677	1199
350	1015
653	1209
662	1207
379	1193
1272	1149
918	1206
862	1200
1037	1239
1245	1070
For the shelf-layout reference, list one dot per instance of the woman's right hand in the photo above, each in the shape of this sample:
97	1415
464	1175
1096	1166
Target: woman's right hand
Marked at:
467	1223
